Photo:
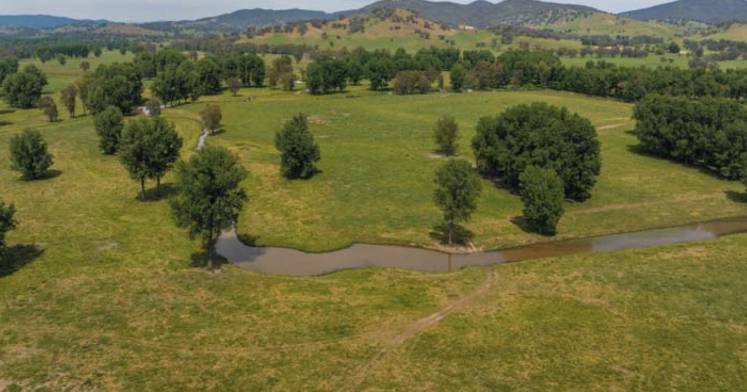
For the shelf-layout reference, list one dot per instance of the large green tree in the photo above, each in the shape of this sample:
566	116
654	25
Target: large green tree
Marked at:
29	155
118	84
542	192
148	149
544	136
24	89
298	151
109	124
210	197
457	190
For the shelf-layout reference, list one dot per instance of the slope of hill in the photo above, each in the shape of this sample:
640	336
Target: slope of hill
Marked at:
732	32
43	21
600	23
384	30
708	11
484	14
241	20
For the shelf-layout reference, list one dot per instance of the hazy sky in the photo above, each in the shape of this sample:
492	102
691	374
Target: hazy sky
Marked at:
149	10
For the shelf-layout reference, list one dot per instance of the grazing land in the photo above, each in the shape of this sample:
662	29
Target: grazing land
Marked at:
102	291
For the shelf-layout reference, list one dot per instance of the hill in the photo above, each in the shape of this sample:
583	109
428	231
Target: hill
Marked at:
383	29
600	23
483	14
43	21
708	11
241	20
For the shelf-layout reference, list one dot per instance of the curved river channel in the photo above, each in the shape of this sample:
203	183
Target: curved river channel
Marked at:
283	261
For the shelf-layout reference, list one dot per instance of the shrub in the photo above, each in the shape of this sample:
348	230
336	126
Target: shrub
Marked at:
211	117
29	155
298	150
446	134
542	194
544	136
24	89
108	125
411	82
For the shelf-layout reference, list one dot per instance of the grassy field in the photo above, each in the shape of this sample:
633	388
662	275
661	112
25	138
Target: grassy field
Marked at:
102	293
377	168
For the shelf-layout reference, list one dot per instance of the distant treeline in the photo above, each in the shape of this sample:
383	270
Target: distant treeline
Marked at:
46	49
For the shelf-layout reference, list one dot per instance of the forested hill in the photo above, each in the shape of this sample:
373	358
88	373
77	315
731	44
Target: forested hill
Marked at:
43	21
708	11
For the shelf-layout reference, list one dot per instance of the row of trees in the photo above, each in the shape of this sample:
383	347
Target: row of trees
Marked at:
710	133
543	69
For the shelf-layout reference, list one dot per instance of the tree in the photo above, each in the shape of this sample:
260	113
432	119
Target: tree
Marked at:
8	66
457	77
211	117
148	149
154	107
29	155
85	66
62	59
209	196
380	71
109	124
456	194
24	89
298	150
84	85
118	84
674	48
165	148
411	82
234	84
49	107
209	76
7	223
710	133
542	192
68	96
544	136
446	134
326	75
280	67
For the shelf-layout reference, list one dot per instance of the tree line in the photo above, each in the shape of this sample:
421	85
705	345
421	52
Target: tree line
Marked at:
710	133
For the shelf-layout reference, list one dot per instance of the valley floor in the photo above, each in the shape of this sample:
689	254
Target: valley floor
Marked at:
102	292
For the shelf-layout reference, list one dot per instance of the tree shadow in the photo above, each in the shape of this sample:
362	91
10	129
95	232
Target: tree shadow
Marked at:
738	197
522	223
16	257
6	111
164	191
200	260
5	123
218	132
461	235
48	175
248	239
638	149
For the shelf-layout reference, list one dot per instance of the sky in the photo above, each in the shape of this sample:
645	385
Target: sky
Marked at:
151	10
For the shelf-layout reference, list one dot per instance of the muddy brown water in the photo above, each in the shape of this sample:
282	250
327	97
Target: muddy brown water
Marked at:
283	261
